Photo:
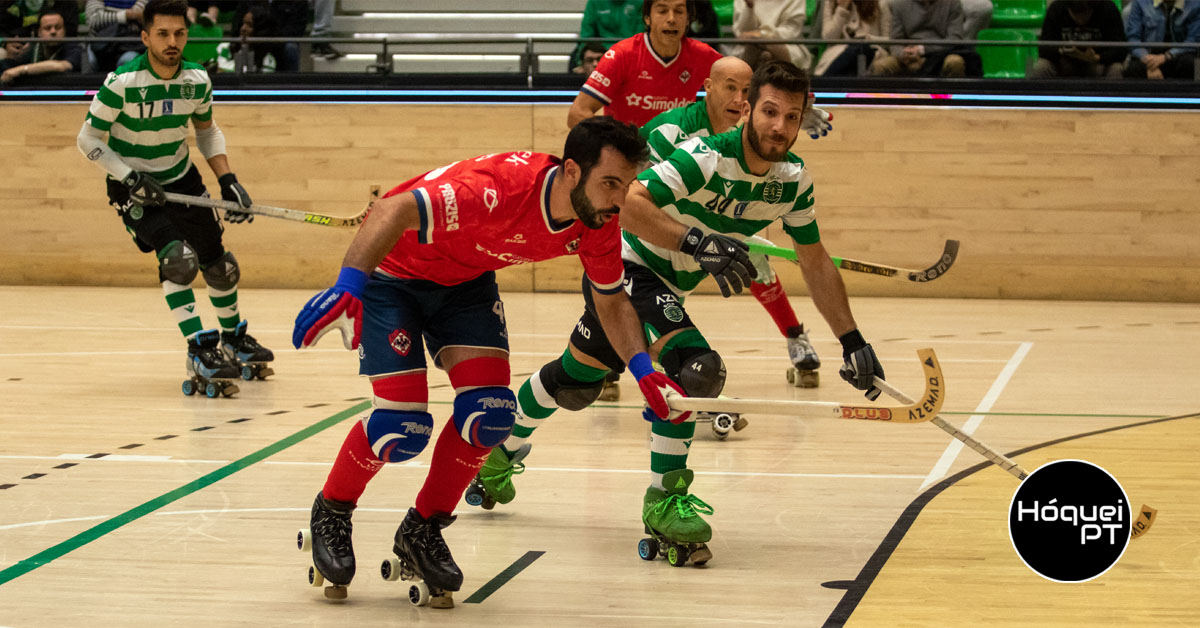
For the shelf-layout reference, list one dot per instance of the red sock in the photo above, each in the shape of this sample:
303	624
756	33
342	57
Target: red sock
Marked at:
356	464
455	461
774	301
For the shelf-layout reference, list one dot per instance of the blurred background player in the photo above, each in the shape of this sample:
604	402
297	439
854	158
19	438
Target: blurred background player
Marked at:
760	182
145	118
421	272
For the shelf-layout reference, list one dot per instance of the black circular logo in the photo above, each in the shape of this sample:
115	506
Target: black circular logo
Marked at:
1069	521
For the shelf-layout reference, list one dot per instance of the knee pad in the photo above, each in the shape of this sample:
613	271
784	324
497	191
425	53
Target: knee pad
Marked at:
568	392
397	435
485	416
223	273
698	370
177	263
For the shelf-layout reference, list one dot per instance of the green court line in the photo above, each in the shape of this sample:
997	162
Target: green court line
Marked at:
1071	414
91	534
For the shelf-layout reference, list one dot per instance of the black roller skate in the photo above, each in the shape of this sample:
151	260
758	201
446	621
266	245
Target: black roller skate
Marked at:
246	354
208	370
803	373
423	557
328	535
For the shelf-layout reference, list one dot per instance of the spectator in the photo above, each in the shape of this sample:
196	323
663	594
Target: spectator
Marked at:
770	19
114	18
705	24
592	52
1162	21
204	13
1082	21
272	18
928	19
13	49
49	55
857	20
323	27
977	14
615	19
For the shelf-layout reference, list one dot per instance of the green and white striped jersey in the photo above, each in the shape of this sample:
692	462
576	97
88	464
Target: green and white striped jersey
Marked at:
146	117
671	128
706	184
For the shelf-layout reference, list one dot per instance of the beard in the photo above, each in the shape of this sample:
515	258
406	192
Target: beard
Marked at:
588	214
756	144
167	61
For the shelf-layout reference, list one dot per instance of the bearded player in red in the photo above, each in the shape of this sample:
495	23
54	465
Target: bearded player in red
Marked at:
420	274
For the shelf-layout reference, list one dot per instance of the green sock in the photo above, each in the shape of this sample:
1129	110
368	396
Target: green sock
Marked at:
535	405
182	302
225	302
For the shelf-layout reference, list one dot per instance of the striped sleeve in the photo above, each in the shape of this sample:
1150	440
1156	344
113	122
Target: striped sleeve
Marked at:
106	105
801	221
684	173
659	141
203	112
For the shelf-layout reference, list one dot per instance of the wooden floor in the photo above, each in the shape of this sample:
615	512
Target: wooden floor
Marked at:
125	503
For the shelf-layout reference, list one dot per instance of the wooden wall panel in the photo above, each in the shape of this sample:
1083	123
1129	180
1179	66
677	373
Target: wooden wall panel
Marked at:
1048	204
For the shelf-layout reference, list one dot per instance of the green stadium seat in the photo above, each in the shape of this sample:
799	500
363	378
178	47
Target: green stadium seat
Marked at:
724	11
1018	13
1004	61
202	53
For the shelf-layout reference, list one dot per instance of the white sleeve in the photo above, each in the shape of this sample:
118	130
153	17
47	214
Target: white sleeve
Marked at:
91	143
210	141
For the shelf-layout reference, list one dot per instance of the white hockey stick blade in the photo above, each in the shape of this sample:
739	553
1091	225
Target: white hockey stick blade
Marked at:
276	212
914	412
999	459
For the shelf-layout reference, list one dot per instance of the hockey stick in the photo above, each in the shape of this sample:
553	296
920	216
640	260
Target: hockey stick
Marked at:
913	412
949	254
999	459
277	212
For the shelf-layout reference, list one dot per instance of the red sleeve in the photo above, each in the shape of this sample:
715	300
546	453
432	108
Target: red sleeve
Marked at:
449	206
600	253
606	79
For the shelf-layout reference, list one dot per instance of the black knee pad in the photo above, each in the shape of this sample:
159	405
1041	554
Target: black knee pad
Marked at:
177	263
568	392
223	273
698	370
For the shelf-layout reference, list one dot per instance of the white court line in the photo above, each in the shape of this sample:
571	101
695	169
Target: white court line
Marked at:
417	464
943	464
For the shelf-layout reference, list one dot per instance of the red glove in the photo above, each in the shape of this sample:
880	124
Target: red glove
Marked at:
655	387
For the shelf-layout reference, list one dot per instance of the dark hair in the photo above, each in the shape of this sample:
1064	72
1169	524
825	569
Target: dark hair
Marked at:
866	8
589	138
691	12
782	76
163	7
593	46
59	11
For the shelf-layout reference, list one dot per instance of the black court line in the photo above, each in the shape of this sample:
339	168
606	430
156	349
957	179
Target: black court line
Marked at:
316	405
166	437
278	412
241	420
14	379
131	446
202	428
4	486
34	476
857	588
95	456
66	465
503	577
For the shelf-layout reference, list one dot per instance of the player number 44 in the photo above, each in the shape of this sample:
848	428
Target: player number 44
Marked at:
720	205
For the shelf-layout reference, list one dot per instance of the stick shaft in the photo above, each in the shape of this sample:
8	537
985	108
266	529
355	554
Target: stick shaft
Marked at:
949	254
999	459
265	210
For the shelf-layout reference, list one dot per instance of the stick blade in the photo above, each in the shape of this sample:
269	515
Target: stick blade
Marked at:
930	403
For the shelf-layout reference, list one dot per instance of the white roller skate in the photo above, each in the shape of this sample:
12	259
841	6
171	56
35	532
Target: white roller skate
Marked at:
803	372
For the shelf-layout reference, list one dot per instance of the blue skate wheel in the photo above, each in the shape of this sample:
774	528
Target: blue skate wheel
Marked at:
211	390
247	373
648	549
189	388
474	496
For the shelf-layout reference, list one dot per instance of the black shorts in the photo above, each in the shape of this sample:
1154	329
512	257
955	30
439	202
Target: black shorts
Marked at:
153	228
658	307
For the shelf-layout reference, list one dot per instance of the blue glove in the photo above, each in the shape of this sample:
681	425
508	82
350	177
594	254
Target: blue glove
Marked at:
338	307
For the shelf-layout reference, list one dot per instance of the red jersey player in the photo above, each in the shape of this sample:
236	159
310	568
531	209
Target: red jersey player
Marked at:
431	248
649	73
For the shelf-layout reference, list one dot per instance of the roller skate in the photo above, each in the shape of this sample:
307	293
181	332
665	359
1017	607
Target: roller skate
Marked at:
672	519
612	389
208	370
328	536
803	372
723	422
246	354
493	484
423	557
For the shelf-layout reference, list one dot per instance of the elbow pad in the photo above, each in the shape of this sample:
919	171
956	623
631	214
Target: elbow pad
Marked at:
210	141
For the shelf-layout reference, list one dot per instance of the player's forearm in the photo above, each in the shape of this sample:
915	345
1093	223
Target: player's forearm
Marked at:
386	224
620	323
91	143
826	287
582	108
644	219
219	165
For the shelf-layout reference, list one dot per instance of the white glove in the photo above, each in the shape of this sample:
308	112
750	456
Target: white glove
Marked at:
817	122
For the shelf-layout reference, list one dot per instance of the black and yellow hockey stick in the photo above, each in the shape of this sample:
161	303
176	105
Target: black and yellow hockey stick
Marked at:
277	212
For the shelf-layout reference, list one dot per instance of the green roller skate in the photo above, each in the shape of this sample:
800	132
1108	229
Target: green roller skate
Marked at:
672	519
493	484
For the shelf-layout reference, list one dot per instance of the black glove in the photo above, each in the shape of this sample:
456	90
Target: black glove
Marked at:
861	366
144	189
722	257
231	190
